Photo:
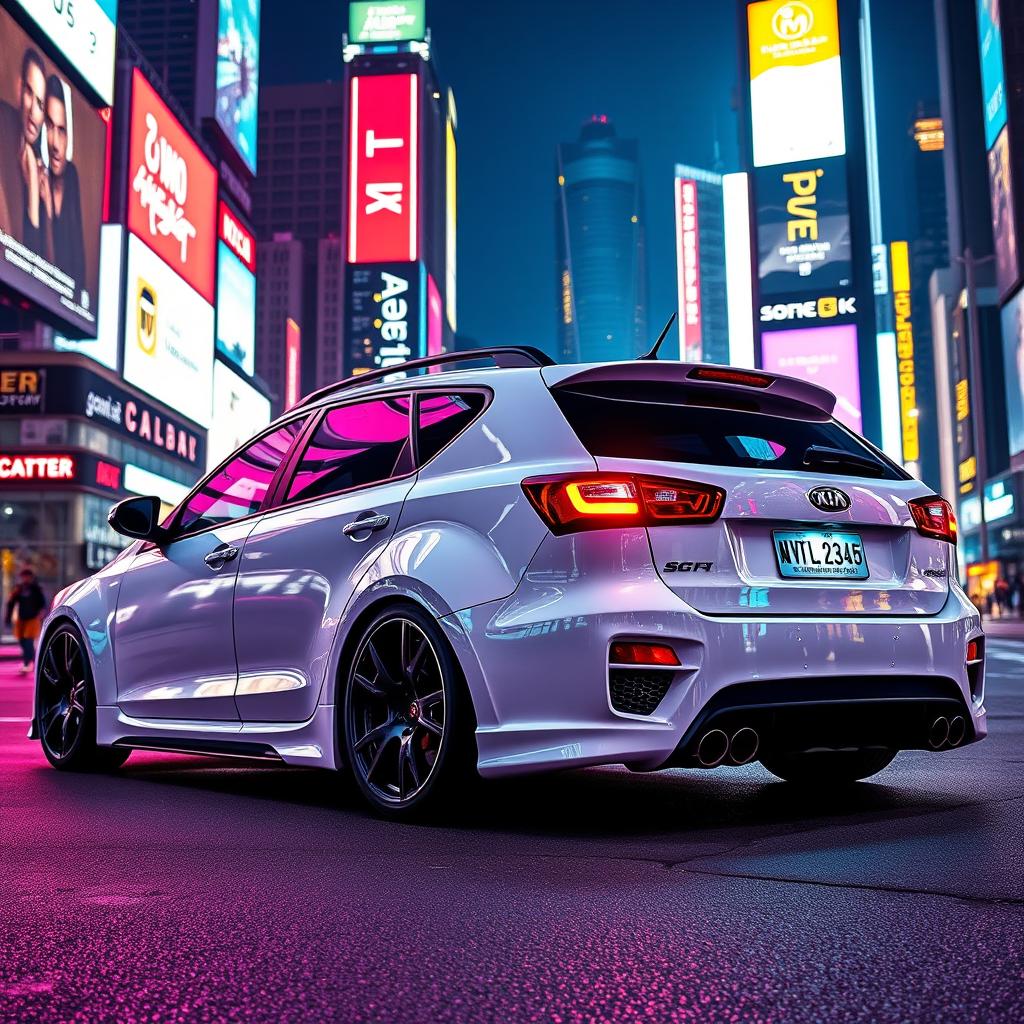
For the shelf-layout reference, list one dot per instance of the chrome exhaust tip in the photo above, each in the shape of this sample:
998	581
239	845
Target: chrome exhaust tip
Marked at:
713	747
957	731
744	745
938	733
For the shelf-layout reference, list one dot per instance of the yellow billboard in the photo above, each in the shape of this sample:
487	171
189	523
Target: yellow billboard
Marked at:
796	81
900	262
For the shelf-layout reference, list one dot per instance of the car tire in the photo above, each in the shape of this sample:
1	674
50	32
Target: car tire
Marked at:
66	707
407	718
828	768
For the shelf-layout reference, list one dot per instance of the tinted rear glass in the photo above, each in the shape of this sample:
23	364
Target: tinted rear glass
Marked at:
615	426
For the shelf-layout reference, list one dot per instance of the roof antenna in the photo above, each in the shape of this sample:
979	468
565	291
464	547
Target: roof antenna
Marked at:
653	354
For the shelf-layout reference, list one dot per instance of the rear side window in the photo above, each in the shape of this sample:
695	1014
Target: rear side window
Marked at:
614	426
355	445
442	418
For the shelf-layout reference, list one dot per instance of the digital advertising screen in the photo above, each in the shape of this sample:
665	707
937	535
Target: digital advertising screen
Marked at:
391	21
826	356
803	228
52	176
796	81
85	33
688	268
236	310
385	314
292	363
1004	222
383	223
238	75
242	412
1013	366
107	342
993	82
172	190
435	319
168	335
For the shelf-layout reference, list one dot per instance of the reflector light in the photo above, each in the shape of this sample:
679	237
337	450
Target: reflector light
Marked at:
625	653
973	651
592	502
724	375
934	518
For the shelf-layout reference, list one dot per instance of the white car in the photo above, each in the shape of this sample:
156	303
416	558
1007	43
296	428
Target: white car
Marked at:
524	568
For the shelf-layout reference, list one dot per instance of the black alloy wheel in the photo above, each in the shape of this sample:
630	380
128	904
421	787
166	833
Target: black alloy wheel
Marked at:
405	714
66	707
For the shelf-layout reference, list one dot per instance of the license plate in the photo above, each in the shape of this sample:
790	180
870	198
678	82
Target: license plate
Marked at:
819	555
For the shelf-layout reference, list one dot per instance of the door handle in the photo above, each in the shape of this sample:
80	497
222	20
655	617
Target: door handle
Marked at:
367	525
219	556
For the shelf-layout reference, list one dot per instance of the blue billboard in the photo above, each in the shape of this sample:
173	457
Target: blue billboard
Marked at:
236	311
993	86
238	71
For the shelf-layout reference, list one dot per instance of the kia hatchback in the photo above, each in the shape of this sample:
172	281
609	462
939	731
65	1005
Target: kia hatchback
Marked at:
497	570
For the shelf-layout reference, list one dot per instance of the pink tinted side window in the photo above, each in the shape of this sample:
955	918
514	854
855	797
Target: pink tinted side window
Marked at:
354	445
238	488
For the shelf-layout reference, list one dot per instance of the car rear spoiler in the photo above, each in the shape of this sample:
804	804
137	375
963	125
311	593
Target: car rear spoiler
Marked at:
755	384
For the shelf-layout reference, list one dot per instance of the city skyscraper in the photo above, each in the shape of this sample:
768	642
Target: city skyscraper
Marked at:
700	259
278	299
599	228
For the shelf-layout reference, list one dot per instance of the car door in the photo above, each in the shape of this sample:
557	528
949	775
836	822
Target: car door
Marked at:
301	562
173	642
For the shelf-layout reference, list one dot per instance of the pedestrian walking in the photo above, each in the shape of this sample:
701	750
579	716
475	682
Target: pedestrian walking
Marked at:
25	609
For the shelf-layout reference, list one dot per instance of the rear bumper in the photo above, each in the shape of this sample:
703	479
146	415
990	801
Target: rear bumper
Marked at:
541	668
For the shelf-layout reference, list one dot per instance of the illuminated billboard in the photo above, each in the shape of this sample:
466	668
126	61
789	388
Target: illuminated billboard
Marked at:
688	268
236	310
905	356
242	412
826	356
1013	375
803	228
292	363
52	173
1004	223
993	83
238	70
796	82
105	345
435	316
738	286
385	318
386	21
168	335
450	206
383	180
172	190
84	32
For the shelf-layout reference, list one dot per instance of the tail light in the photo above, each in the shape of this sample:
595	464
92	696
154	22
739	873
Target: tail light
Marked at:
624	652
934	518
727	375
601	501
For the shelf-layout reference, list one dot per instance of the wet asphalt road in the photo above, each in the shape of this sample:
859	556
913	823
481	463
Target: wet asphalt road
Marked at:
193	890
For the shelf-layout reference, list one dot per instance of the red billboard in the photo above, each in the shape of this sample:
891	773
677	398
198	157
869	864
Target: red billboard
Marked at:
383	178
172	190
688	268
236	236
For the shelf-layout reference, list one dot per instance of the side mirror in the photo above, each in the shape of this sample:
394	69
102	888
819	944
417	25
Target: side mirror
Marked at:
138	518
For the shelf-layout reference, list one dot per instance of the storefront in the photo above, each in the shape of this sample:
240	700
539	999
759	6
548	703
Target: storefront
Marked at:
1003	516
73	440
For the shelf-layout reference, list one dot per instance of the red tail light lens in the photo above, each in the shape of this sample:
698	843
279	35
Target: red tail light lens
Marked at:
974	651
934	517
624	653
600	501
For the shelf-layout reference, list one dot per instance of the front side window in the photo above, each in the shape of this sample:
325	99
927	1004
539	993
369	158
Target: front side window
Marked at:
355	445
238	488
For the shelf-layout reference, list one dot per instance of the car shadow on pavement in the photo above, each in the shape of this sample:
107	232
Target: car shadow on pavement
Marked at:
592	803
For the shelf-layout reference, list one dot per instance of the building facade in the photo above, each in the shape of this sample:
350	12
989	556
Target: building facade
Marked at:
599	231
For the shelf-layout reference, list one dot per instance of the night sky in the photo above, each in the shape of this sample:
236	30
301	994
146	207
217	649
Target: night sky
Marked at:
527	74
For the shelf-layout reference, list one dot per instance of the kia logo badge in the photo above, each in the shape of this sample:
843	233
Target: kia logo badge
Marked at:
829	499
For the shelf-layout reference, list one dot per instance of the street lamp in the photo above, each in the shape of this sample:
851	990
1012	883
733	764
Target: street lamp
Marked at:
977	386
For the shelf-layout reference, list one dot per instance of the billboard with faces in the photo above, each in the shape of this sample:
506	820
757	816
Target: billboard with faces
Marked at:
52	175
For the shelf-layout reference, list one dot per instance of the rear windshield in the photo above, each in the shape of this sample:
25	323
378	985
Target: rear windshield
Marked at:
616	426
